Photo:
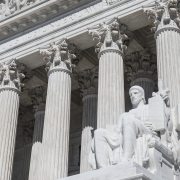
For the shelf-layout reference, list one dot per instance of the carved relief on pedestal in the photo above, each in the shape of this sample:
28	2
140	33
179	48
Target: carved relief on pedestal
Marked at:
88	81
61	55
164	14
110	35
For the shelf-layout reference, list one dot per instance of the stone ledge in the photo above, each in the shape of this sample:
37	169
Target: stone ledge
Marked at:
122	171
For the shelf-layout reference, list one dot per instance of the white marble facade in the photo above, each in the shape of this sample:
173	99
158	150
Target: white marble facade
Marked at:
66	68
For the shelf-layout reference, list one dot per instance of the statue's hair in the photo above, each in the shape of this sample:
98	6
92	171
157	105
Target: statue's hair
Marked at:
140	89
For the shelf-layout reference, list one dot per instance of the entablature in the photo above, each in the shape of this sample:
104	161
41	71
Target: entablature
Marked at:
30	15
36	15
74	26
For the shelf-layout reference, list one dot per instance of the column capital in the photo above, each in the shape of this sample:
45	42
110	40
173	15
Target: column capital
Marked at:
165	15
88	81
141	65
110	36
12	74
38	98
60	56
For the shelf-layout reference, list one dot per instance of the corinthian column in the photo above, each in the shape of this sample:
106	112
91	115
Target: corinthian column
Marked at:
88	81
141	70
165	16
111	42
10	87
38	98
55	142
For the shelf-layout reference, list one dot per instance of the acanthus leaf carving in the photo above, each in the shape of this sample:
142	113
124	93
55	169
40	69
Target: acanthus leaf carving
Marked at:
88	81
11	75
164	14
141	65
110	34
60	54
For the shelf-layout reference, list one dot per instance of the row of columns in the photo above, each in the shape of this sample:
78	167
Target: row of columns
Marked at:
88	82
50	151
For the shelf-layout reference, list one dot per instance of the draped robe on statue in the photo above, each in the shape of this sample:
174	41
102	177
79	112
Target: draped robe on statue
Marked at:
107	146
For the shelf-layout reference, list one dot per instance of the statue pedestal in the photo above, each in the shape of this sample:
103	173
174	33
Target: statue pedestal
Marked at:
124	170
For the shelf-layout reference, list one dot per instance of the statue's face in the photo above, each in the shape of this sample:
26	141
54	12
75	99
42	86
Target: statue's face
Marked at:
136	96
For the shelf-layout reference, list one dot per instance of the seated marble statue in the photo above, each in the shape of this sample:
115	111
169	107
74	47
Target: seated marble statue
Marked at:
111	147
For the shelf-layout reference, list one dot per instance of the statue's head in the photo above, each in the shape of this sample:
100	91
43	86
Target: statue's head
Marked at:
137	95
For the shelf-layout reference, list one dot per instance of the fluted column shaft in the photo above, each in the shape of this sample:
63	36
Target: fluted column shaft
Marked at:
90	111
89	123
110	88
166	25
56	125
111	41
146	84
27	158
10	88
36	155
168	62
9	106
53	152
38	126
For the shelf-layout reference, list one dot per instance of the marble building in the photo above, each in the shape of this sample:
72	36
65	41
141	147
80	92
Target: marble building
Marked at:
66	67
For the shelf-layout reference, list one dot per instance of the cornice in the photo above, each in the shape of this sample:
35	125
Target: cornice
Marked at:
35	15
62	26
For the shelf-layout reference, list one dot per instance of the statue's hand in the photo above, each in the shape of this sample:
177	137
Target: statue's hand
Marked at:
148	125
165	97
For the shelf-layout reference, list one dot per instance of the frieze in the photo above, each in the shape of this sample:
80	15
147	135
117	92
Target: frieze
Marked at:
9	7
110	2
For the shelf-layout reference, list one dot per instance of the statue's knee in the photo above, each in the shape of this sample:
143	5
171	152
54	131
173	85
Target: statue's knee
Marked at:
128	120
